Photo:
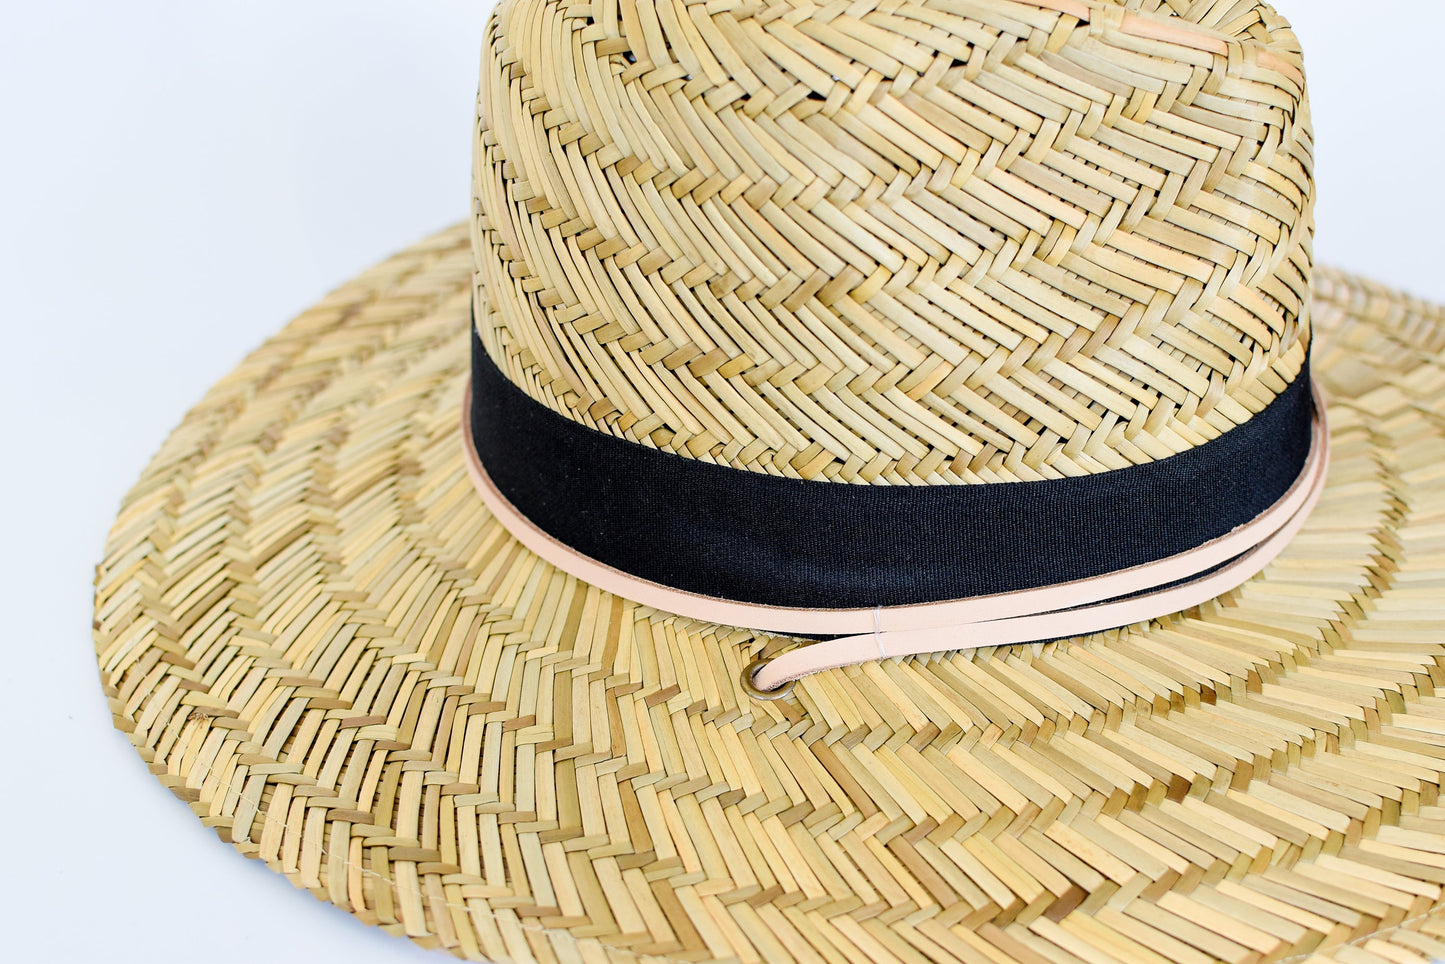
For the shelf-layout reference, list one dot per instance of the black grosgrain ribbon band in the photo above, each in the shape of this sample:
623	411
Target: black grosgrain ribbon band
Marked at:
727	533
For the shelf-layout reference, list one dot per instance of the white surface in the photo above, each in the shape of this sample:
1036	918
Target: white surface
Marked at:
178	180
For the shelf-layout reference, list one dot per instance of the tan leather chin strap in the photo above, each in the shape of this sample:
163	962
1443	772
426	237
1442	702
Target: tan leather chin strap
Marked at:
1048	612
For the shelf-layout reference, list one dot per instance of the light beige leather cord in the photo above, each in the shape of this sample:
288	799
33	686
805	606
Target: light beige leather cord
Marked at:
1071	609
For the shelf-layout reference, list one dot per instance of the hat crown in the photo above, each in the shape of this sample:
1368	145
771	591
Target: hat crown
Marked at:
910	243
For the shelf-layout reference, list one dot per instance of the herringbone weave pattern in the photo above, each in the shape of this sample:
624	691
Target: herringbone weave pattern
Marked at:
908	242
312	631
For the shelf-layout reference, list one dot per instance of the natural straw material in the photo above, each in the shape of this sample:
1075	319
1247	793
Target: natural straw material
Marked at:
316	636
914	242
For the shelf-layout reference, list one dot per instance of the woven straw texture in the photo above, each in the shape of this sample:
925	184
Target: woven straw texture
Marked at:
314	634
917	241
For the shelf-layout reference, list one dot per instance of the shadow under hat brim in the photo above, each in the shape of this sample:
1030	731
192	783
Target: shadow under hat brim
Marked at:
314	633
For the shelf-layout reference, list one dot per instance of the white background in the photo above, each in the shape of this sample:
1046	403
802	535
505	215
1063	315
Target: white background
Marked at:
176	180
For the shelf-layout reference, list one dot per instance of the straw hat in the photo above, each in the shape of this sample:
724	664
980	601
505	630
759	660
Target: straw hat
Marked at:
652	568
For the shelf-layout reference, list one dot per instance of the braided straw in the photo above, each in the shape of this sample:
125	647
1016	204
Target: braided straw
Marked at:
315	635
910	241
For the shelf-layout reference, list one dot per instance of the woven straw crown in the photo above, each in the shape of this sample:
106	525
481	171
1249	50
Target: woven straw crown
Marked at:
908	242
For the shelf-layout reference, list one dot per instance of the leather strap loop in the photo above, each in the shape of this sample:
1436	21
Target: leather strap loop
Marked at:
1031	614
1076	607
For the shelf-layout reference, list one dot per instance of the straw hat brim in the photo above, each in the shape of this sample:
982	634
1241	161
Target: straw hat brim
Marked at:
314	633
